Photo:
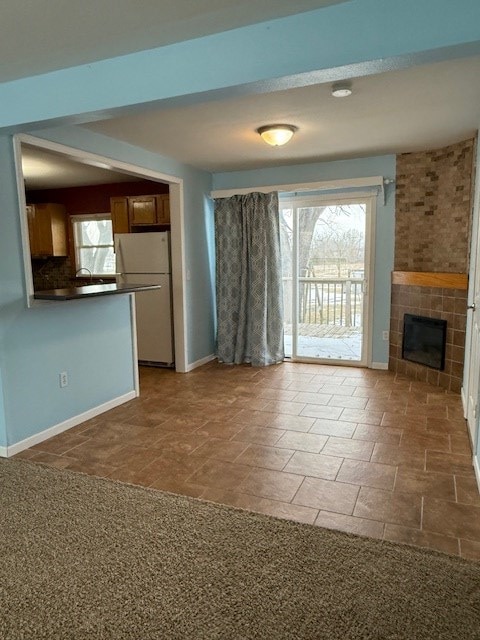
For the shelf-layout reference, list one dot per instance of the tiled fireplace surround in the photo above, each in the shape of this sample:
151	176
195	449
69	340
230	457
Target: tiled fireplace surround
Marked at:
433	217
432	302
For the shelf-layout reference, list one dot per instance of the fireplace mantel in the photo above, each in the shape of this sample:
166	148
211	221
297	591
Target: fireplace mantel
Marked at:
431	279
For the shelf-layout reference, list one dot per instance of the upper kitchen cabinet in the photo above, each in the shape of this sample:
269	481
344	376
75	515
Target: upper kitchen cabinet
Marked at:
137	213
119	212
47	228
142	210
163	209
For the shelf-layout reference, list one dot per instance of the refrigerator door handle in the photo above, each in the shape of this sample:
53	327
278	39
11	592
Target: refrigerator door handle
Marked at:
119	256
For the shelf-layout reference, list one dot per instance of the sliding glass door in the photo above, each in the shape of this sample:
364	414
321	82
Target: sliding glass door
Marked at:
326	266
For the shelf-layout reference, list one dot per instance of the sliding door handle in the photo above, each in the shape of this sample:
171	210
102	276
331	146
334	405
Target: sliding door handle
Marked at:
471	306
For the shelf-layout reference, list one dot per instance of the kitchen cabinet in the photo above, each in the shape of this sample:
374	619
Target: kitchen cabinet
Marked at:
47	229
142	210
119	212
163	209
134	213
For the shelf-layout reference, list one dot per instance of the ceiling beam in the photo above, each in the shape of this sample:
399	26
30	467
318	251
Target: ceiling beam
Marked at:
351	39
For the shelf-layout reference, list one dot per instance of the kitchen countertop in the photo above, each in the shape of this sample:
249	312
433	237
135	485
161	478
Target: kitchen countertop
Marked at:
92	290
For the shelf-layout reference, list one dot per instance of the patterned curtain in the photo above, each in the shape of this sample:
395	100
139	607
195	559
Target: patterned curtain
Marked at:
249	280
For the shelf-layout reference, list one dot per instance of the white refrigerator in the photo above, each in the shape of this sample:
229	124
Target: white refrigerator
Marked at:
144	258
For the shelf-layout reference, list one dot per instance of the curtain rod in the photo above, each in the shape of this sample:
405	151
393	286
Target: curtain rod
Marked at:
371	181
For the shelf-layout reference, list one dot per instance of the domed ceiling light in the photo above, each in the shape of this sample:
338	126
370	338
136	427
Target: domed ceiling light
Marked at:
276	134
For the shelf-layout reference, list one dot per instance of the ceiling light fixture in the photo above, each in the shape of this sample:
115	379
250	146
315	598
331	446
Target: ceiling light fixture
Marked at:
277	134
341	89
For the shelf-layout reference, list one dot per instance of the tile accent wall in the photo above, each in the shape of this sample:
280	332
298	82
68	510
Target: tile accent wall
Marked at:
432	227
433	209
432	302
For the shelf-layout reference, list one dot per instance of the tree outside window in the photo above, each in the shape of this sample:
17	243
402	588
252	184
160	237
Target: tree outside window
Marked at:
93	238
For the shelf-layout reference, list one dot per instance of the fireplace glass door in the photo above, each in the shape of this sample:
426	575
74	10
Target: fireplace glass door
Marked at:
424	340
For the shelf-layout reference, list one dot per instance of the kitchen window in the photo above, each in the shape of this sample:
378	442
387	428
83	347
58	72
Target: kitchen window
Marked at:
93	241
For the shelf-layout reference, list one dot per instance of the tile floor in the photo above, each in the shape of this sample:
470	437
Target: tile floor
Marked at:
364	451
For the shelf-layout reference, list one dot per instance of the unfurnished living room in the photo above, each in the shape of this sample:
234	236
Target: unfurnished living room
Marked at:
239	349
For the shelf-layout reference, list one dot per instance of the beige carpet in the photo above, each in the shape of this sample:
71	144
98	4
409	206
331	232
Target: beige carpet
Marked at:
86	558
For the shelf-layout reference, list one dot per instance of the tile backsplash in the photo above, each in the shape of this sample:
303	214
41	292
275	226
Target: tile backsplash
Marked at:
51	273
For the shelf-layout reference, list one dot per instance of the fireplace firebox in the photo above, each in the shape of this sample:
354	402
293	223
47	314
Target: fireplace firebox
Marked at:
424	340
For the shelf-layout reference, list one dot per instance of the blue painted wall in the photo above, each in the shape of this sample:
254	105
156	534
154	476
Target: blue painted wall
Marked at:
385	220
326	46
11	269
197	219
354	38
91	342
90	339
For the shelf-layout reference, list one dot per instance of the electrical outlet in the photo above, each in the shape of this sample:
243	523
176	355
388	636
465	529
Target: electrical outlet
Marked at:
385	335
63	379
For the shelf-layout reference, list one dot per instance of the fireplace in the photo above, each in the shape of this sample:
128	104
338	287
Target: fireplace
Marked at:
424	340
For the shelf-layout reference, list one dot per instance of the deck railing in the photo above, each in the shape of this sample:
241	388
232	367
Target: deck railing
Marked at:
335	301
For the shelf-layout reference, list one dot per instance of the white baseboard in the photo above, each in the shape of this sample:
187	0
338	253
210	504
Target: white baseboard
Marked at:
199	363
11	450
379	365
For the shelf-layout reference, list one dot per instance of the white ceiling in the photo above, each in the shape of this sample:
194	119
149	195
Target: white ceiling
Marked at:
49	170
409	110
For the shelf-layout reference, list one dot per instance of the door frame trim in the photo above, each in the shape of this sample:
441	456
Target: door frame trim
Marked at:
177	227
356	197
468	373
